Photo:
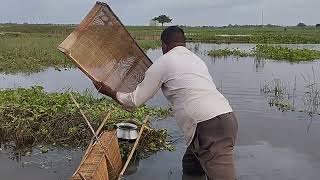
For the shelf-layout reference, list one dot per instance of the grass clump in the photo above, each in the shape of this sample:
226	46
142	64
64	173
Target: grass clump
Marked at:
30	117
148	44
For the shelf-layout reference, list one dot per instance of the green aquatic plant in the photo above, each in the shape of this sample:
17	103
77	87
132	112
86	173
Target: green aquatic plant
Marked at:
30	117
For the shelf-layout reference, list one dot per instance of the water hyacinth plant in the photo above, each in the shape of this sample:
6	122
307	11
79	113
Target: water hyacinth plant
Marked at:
228	52
263	51
285	53
30	117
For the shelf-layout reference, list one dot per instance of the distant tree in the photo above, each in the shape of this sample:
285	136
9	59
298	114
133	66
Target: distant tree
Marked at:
162	19
318	25
301	25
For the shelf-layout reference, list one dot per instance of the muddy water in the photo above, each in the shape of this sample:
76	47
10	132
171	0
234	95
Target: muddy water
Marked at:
271	144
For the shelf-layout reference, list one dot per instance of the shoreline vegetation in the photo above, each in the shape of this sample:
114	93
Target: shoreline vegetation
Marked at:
31	117
273	52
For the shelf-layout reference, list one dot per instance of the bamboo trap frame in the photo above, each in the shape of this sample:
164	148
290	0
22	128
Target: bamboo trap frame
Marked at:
105	51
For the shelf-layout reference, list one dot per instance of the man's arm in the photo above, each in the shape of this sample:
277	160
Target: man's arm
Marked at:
145	90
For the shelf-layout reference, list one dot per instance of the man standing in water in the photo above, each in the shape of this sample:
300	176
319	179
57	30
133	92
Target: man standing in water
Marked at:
202	112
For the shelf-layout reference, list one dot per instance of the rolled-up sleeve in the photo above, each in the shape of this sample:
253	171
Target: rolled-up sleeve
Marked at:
145	90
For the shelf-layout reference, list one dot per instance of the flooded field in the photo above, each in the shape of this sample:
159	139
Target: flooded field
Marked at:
271	144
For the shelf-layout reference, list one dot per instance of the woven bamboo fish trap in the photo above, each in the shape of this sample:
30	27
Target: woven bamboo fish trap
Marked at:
104	50
103	161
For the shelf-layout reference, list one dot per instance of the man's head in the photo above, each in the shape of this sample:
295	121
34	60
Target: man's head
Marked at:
172	37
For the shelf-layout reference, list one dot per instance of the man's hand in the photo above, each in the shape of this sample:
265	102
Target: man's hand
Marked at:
105	89
97	84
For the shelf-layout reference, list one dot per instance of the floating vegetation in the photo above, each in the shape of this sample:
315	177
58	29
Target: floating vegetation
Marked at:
32	117
151	142
285	53
228	52
270	52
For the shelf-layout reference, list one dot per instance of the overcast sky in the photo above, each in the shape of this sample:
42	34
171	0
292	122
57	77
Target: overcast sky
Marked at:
186	12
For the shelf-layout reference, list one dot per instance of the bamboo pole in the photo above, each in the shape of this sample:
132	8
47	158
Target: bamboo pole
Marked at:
91	128
133	149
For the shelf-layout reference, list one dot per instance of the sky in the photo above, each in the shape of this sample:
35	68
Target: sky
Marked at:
183	12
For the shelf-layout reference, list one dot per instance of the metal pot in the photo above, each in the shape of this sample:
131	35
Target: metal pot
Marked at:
127	131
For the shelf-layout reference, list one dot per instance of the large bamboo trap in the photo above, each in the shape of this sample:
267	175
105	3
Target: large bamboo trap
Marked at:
104	50
102	160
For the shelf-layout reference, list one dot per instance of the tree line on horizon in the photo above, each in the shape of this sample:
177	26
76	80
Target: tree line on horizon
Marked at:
162	19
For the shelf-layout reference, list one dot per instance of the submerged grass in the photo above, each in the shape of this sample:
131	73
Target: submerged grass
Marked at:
30	117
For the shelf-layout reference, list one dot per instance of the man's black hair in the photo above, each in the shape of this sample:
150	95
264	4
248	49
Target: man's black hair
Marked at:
172	35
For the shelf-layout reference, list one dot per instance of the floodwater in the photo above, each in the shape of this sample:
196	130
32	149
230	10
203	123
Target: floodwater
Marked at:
271	144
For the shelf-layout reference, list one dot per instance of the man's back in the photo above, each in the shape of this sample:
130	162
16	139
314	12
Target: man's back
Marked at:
189	87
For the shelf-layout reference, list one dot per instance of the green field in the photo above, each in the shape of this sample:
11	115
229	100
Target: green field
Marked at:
32	48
